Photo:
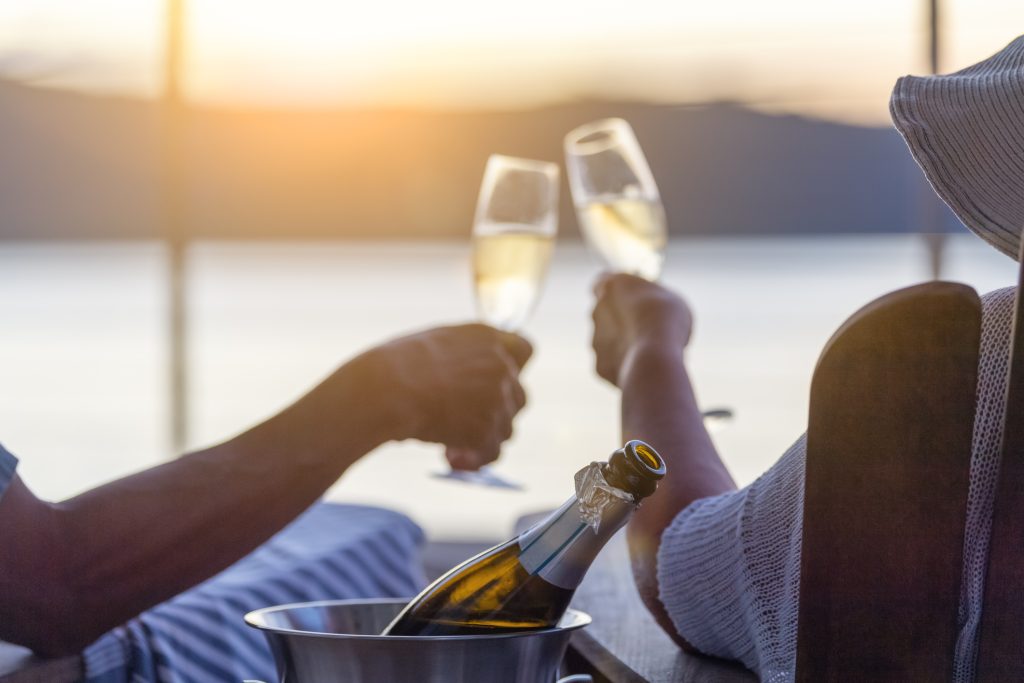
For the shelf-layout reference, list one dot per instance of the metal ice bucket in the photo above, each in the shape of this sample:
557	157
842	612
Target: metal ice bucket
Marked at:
339	641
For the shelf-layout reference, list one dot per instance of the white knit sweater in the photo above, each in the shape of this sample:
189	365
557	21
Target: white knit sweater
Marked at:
729	566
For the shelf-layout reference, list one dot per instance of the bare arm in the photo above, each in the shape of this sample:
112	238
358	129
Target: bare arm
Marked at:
73	570
76	569
640	332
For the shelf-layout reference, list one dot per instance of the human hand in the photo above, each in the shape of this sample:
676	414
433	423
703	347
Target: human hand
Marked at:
632	315
457	386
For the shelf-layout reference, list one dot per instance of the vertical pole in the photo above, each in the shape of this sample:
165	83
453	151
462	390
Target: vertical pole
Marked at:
933	35
173	215
934	234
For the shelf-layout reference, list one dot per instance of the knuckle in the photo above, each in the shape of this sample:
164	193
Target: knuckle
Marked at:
520	397
491	452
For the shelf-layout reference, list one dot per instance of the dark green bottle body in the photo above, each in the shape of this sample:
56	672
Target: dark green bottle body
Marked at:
527	583
492	592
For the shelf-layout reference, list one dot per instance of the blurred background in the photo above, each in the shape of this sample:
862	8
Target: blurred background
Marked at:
206	206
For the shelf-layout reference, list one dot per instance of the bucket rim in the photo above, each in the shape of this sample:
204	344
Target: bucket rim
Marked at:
576	620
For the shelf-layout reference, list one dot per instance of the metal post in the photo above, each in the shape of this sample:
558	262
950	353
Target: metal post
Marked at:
175	234
931	215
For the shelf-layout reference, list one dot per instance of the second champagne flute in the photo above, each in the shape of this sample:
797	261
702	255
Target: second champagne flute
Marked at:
617	202
619	207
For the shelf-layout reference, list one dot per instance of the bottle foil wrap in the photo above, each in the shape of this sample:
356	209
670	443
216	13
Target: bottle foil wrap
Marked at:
594	494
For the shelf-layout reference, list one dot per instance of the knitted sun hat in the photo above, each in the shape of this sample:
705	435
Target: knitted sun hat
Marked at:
966	131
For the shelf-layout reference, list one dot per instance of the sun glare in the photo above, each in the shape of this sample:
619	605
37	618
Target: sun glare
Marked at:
832	59
464	53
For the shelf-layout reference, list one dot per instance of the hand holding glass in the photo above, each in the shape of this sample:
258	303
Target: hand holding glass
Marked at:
513	237
617	202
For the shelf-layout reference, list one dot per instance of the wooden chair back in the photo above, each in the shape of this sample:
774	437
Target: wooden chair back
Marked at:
888	456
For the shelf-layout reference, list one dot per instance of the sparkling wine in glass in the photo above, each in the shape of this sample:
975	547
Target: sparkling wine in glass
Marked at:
616	199
513	237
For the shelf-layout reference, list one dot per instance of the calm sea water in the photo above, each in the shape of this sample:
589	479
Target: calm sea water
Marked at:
83	351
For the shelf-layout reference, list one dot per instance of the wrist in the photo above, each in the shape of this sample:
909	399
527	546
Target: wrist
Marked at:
373	398
381	401
648	358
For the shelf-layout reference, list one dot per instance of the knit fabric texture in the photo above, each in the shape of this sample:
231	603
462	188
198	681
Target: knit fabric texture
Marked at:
966	131
729	566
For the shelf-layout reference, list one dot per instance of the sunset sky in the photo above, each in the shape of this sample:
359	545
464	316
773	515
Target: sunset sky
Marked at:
831	59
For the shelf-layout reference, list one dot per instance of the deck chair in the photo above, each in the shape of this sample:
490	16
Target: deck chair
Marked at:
888	455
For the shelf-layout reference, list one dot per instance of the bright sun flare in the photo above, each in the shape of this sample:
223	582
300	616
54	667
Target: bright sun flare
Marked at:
830	58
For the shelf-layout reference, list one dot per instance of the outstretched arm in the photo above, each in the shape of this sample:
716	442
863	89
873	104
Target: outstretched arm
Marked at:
71	571
640	332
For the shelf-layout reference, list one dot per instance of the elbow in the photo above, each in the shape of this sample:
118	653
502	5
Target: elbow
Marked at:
41	603
54	627
44	615
644	538
644	555
644	542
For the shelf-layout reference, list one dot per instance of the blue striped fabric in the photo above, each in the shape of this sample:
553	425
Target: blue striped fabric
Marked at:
8	463
331	552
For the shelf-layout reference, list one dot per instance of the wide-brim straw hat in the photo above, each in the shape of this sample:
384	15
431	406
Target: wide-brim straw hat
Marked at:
966	131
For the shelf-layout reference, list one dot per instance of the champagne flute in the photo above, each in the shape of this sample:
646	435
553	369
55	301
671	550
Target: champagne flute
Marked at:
616	199
513	237
619	208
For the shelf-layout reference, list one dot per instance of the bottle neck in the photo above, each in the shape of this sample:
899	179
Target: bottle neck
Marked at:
561	548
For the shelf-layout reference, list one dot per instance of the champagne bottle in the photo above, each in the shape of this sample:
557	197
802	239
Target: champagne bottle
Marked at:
526	583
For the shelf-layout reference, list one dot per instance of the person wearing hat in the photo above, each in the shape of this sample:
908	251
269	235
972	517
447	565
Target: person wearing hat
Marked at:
718	567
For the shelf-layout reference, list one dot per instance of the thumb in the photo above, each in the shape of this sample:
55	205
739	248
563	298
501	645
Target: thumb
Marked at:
517	347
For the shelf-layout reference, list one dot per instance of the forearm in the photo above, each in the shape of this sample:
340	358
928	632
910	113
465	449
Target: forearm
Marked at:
141	540
121	548
659	406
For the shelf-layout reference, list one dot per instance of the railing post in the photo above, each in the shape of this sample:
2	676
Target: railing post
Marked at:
173	222
931	218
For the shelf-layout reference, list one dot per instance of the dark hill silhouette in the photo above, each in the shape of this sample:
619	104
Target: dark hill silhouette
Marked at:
84	166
